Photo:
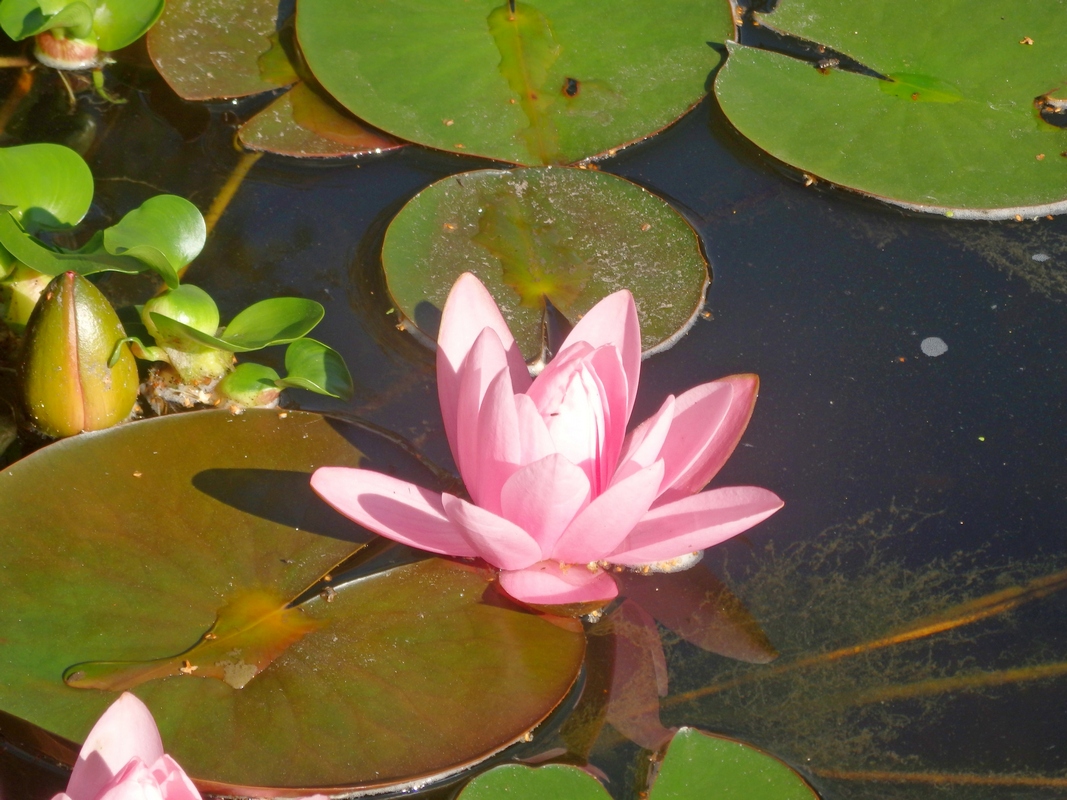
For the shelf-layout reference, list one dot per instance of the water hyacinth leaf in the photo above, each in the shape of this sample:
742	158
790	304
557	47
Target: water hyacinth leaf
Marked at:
88	260
118	23
250	384
405	673
969	91
22	19
699	766
279	320
546	82
274	321
166	232
572	235
518	782
50	185
309	364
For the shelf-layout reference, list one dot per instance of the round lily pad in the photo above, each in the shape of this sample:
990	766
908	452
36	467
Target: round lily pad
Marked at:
211	49
961	124
181	558
548	82
571	235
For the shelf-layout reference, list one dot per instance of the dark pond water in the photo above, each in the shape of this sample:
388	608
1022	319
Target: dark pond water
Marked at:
912	482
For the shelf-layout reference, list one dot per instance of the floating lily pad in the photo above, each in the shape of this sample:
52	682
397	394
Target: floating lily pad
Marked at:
703	767
157	536
572	235
697	766
958	125
548	82
212	49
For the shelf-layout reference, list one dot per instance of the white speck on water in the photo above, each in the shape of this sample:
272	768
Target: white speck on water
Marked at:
1040	256
933	346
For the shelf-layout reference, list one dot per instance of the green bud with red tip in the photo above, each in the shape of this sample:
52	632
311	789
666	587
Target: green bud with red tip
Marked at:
67	384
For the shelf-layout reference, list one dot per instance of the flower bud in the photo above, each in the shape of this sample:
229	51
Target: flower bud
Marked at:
66	382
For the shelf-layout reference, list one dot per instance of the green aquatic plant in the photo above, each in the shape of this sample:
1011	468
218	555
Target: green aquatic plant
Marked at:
695	766
73	35
181	329
76	375
45	191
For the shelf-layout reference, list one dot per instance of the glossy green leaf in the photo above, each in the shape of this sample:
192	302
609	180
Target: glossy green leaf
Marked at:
274	321
546	83
88	260
572	235
118	23
518	782
279	320
166	232
22	19
311	365
250	385
699	766
957	130
157	527
50	185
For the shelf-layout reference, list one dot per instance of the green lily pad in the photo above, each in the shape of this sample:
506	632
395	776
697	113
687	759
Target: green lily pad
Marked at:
212	49
699	766
162	532
551	82
572	235
517	782
957	128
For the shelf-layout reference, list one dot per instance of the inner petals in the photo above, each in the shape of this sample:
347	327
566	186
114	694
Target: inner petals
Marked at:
542	498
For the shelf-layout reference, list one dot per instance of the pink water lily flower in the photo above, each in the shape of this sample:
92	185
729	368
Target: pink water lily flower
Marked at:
123	759
558	489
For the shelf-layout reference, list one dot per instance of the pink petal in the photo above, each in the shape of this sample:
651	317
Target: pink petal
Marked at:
598	529
614	321
470	309
607	369
173	780
542	498
124	732
577	425
642	447
708	423
392	508
500	542
549	583
534	440
494	443
694	523
485	362
549	387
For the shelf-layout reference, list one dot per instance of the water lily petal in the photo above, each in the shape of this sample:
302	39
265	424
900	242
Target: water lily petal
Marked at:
614	321
642	447
500	542
694	523
708	423
172	779
598	529
534	440
126	731
485	362
607	369
577	425
549	387
494	442
470	309
542	498
548	583
392	508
